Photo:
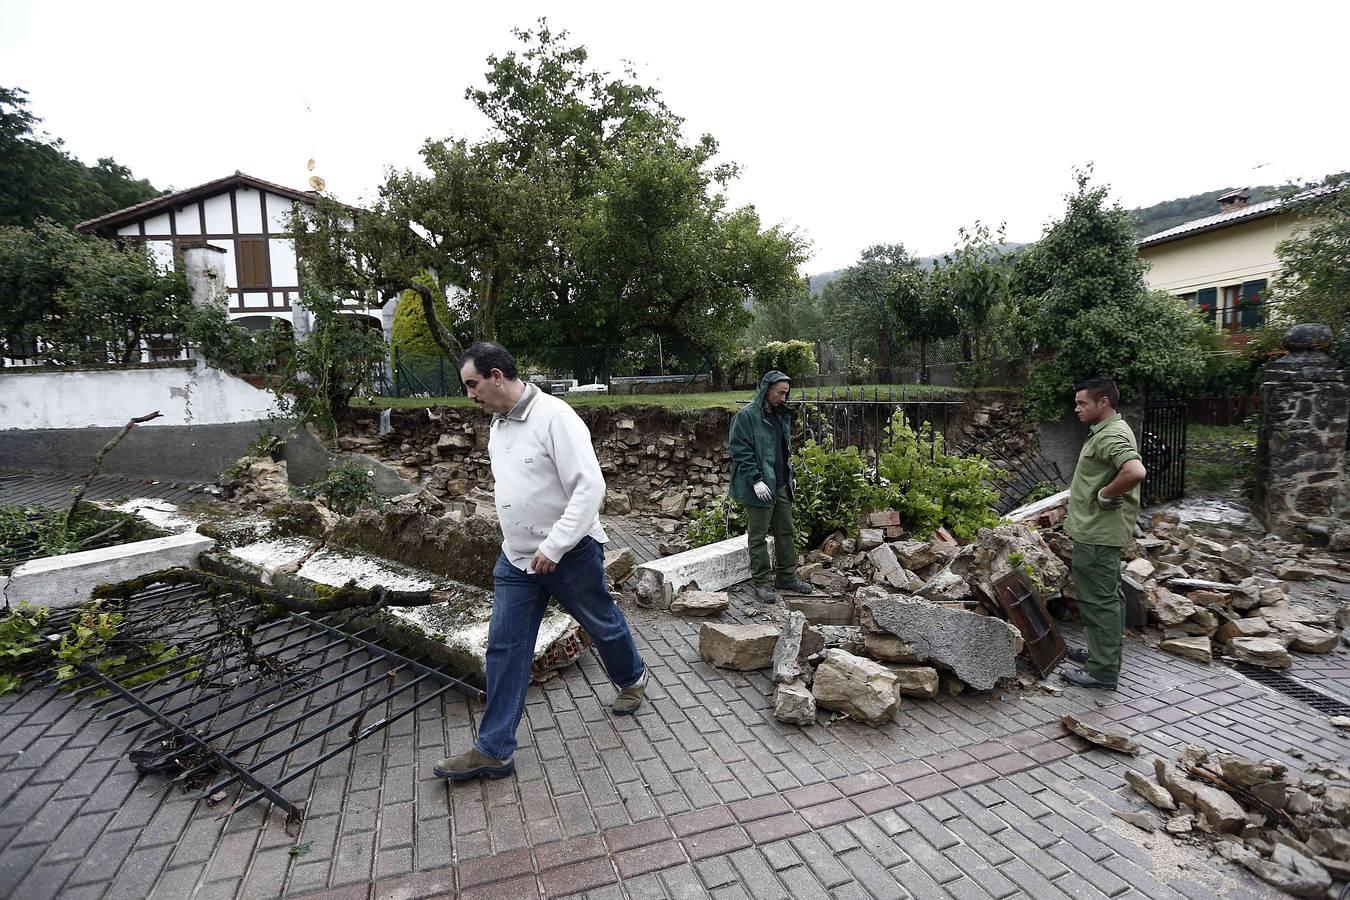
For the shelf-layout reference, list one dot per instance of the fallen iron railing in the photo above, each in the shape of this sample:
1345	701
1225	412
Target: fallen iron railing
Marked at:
247	675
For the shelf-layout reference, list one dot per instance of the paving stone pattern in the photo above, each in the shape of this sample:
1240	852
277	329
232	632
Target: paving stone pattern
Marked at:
701	794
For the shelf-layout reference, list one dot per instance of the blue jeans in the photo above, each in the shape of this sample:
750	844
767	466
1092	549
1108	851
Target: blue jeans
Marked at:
518	603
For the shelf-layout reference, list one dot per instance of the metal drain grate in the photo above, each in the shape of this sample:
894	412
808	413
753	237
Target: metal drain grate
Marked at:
1292	687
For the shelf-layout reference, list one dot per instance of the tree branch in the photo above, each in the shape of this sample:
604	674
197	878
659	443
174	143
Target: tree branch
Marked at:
98	463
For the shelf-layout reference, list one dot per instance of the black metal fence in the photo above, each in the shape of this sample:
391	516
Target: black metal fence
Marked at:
1163	446
863	418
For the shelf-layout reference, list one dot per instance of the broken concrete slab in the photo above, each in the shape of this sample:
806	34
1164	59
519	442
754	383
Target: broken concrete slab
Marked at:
860	688
1251	626
787	653
67	580
794	704
744	648
712	567
998	551
888	648
1168	608
700	603
1196	648
620	564
1101	736
820	609
1224	814
914	555
981	650
1181	787
1308	639
916	681
1260	651
1150	790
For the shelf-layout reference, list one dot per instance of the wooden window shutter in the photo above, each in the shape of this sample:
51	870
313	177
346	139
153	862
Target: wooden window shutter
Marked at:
253	267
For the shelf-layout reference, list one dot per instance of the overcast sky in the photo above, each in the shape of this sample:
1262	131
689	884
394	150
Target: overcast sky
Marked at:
856	123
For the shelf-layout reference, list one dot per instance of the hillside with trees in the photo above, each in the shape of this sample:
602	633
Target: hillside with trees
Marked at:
40	179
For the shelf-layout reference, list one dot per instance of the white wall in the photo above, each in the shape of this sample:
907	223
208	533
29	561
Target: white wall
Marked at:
196	395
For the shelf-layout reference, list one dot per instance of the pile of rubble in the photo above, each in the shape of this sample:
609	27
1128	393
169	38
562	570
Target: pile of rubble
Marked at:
1226	597
891	618
1292	833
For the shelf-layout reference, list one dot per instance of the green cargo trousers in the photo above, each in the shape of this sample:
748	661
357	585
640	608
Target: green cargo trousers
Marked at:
775	520
1101	603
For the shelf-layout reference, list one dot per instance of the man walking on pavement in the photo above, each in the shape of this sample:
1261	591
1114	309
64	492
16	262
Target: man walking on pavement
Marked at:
1103	506
549	493
762	479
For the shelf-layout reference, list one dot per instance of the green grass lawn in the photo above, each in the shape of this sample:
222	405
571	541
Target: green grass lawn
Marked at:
1221	459
712	400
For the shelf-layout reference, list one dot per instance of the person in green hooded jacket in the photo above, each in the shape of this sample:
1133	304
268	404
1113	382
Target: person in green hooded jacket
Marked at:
762	479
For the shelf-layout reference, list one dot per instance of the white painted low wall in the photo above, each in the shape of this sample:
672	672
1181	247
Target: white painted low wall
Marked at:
712	567
190	393
67	580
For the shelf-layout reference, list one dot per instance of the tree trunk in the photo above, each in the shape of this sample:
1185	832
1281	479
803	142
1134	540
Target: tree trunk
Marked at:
485	325
883	350
449	345
966	348
923	361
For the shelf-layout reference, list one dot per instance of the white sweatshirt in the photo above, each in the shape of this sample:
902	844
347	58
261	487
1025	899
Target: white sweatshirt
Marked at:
549	489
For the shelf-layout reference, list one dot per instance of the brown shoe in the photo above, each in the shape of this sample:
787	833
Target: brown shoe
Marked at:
631	697
473	764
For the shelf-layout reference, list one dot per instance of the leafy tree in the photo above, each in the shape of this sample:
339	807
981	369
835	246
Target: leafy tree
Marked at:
584	218
976	278
872	292
1314	280
87	299
789	315
925	311
39	179
1087	308
793	358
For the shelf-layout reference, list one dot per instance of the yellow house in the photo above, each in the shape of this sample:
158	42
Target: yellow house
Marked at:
1224	263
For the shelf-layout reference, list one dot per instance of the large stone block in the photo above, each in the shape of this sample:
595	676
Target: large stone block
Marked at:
821	609
793	703
981	650
861	688
741	647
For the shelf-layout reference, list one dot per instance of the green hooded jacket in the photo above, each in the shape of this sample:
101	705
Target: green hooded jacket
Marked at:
754	446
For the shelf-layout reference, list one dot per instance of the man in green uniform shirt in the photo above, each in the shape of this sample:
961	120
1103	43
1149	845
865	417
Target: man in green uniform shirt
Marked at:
1103	505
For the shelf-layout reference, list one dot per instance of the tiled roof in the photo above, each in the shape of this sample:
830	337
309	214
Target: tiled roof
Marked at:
178	198
1233	216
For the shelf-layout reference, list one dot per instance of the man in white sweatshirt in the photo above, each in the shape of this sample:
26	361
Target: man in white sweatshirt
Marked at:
549	493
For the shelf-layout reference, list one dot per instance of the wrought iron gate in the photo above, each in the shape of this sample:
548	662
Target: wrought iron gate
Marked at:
1163	446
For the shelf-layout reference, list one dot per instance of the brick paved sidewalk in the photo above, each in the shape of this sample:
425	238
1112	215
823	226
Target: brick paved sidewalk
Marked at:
701	794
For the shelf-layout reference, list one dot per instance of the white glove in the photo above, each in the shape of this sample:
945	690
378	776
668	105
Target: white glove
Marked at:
762	491
1106	502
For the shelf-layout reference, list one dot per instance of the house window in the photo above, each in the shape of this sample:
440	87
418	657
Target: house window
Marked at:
253	268
1207	299
1244	305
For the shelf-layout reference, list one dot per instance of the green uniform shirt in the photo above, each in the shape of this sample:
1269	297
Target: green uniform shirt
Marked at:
1110	444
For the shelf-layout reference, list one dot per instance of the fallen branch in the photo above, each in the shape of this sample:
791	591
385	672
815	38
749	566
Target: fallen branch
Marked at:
98	463
349	596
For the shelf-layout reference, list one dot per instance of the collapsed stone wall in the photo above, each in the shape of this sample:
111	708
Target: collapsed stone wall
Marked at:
655	460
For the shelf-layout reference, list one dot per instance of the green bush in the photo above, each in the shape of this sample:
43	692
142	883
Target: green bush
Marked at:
832	491
916	476
410	337
721	519
794	358
344	489
930	487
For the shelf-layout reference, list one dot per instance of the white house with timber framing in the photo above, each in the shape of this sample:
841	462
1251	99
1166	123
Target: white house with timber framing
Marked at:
248	219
